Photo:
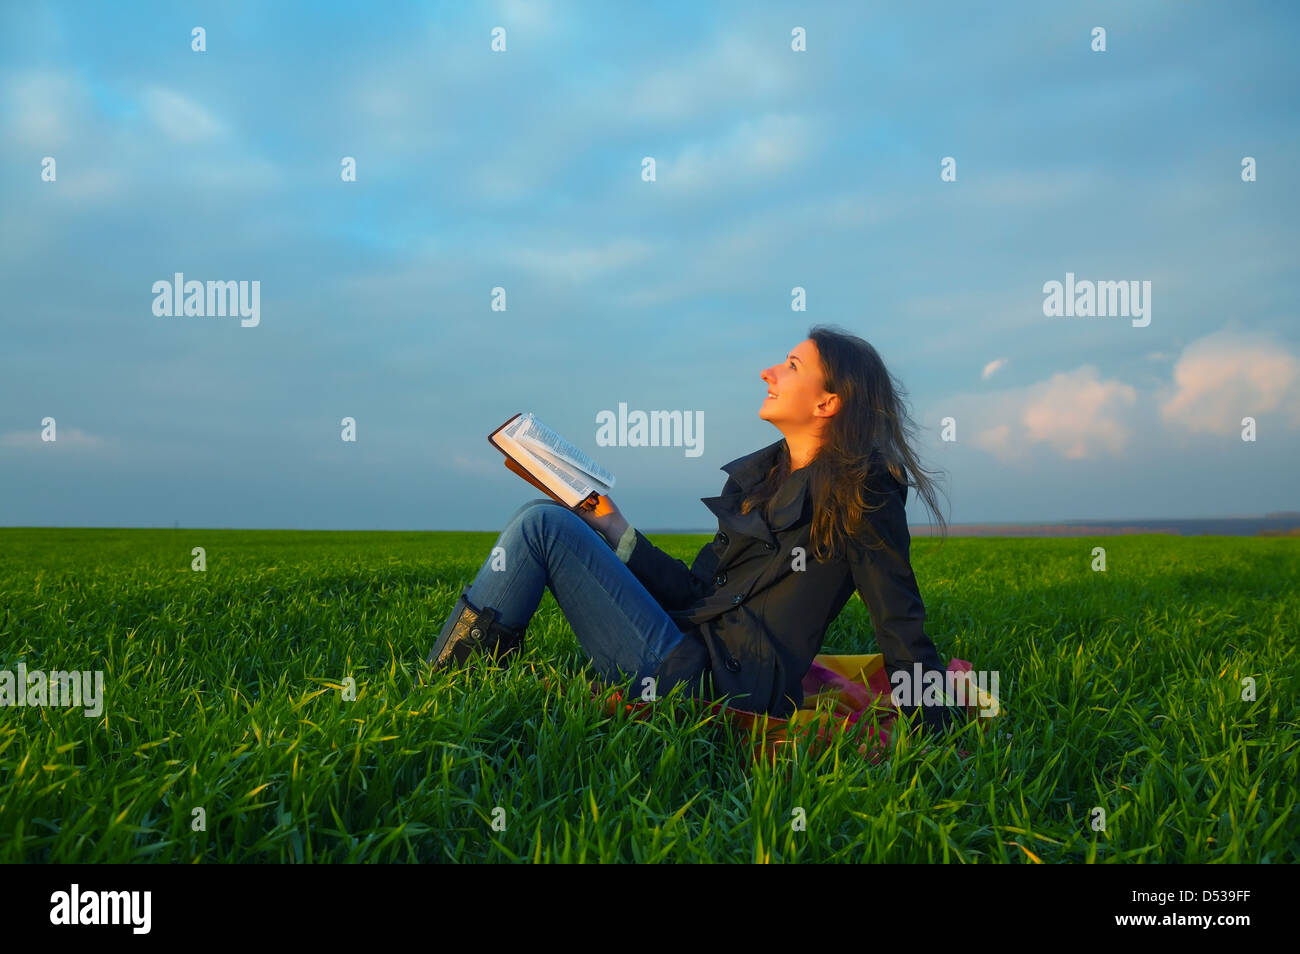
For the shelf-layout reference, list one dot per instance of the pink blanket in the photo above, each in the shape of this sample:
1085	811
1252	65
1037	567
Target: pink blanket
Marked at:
840	691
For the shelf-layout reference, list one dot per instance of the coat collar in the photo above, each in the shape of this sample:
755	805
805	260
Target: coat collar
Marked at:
747	472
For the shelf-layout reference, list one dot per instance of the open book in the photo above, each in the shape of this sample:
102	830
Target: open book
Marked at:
549	462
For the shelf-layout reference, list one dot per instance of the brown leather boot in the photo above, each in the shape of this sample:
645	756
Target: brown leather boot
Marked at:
470	630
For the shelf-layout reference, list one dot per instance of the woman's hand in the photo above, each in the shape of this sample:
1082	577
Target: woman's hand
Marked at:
604	518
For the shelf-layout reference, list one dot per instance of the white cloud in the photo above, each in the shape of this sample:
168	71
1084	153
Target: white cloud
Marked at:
736	70
992	368
1078	414
1218	380
385	112
753	149
733	72
45	109
237	172
750	151
70	437
79	184
534	16
848	210
578	263
997	441
1022	187
510	178
1228	375
702	256
484	466
179	118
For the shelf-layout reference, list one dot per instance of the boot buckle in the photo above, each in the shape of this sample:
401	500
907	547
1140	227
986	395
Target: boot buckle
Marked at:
471	630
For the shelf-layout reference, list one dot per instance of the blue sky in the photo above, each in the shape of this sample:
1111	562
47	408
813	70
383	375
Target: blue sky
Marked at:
522	169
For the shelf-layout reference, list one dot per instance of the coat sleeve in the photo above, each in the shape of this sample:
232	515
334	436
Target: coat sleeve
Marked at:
669	580
887	585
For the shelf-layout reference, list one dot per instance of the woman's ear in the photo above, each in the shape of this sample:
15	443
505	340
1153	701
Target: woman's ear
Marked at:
828	406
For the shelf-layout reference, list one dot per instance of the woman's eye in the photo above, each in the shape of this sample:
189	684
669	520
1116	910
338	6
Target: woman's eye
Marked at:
792	364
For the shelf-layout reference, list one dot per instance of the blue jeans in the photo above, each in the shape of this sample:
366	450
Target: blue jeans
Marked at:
618	622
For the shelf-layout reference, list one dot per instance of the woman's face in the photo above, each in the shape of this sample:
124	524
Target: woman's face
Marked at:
794	387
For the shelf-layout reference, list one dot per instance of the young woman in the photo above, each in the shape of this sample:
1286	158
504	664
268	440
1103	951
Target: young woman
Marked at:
802	524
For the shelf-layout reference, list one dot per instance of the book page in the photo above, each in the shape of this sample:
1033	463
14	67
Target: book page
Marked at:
564	481
565	469
543	440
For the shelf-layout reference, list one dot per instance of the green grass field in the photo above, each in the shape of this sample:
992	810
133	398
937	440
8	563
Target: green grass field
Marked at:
1122	690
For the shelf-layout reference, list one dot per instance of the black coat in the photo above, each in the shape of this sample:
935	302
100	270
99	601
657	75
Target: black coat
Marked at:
761	620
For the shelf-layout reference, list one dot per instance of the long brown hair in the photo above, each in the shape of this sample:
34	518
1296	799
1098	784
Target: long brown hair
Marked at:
872	416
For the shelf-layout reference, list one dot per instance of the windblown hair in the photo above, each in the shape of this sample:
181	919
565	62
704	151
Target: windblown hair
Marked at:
842	478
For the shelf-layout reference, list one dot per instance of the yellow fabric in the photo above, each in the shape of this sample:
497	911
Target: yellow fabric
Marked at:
857	668
868	689
841	691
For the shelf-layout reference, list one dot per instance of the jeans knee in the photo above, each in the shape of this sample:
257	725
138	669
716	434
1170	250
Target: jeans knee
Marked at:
539	520
529	507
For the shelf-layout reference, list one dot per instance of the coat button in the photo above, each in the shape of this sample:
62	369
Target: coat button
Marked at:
737	599
720	579
770	546
732	664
